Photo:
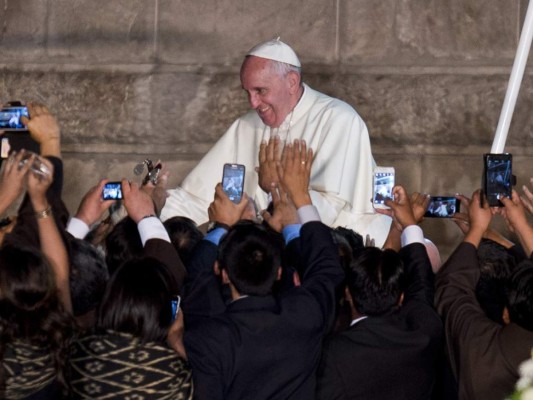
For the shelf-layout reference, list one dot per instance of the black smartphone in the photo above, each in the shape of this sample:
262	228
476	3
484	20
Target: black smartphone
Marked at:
10	118
112	191
442	207
233	181
497	177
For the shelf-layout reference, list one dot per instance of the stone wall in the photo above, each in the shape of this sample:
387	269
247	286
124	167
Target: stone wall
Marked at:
159	78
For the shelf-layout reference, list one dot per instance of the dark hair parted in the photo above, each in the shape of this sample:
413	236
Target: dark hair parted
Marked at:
184	235
520	295
251	256
374	280
496	264
137	300
122	244
30	308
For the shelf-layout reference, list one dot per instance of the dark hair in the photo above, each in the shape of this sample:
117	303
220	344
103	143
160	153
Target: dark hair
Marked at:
184	235
374	280
137	300
348	242
88	276
122	244
520	295
251	256
30	308
495	264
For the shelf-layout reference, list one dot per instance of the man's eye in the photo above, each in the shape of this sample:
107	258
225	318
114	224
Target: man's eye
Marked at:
261	91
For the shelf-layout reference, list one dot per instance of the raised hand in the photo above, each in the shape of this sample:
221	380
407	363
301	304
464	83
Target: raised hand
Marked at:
269	159
295	171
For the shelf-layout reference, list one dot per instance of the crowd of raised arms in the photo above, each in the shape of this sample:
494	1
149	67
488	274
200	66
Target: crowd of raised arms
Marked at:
113	303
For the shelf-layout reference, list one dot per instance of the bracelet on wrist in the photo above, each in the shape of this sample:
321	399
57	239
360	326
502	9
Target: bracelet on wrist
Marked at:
47	212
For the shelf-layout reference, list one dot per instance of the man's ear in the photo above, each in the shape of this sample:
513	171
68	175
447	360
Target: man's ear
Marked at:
294	82
348	295
216	268
225	277
505	316
280	271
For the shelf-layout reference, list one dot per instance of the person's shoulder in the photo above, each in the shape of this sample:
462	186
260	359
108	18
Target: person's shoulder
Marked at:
334	104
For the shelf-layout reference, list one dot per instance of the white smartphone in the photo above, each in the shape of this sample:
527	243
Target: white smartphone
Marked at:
383	184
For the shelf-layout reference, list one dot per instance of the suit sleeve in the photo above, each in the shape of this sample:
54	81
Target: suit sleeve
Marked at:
322	273
203	295
464	319
166	253
420	280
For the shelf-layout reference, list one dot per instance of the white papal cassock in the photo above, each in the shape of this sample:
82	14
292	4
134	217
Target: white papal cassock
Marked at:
341	176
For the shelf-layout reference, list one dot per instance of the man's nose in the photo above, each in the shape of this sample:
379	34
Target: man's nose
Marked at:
254	101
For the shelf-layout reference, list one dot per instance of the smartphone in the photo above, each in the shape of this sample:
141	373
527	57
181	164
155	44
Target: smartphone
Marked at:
497	177
233	181
383	184
442	207
10	118
112	191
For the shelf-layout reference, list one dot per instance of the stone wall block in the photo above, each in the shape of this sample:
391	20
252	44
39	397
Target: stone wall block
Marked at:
427	31
102	31
221	31
23	30
431	109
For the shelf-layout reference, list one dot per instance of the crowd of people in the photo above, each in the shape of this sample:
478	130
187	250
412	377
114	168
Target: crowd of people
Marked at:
270	299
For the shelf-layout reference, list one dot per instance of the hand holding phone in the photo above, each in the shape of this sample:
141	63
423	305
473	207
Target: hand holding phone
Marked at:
383	185
10	118
498	177
112	191
442	207
233	181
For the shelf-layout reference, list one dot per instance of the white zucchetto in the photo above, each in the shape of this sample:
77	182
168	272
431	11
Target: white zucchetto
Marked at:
275	50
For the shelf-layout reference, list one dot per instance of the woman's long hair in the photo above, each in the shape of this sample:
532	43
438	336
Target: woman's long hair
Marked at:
30	308
137	301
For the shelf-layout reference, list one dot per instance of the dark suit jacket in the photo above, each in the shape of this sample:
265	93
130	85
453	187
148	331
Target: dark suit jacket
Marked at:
262	347
392	356
484	355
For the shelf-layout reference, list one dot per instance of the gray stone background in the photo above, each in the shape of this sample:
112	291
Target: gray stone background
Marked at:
129	79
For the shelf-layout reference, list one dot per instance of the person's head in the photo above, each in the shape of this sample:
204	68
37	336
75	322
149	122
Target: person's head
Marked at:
520	295
374	280
184	235
27	286
88	277
271	77
122	244
496	265
349	244
31	310
249	256
137	301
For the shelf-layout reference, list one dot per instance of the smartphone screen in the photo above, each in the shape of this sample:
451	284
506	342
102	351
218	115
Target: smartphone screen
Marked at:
497	177
442	207
233	181
383	185
10	118
112	191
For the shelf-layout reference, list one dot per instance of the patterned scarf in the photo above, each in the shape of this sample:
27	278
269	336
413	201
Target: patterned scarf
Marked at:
28	369
116	365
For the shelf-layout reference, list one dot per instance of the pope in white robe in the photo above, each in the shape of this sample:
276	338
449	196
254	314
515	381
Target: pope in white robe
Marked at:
341	175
